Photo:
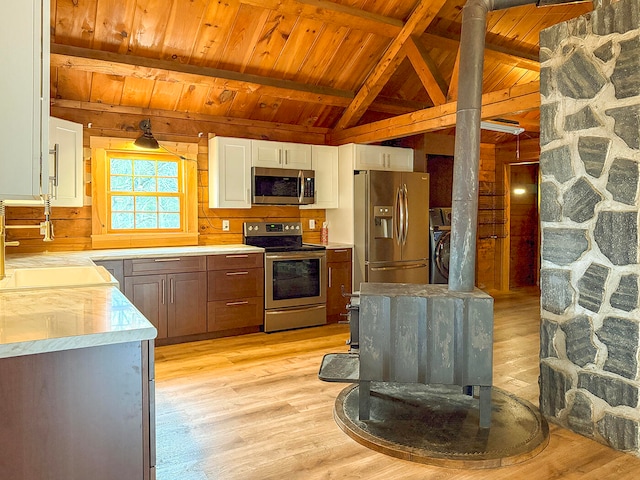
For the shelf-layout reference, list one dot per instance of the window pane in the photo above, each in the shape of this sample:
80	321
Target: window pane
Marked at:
121	220
145	193
146	220
145	167
145	184
122	203
168	185
169	220
169	204
120	166
121	184
146	204
167	169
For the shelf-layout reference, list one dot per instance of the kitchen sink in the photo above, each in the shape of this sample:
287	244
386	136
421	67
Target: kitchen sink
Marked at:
57	277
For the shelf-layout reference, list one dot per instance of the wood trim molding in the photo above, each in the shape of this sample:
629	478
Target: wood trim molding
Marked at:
101	237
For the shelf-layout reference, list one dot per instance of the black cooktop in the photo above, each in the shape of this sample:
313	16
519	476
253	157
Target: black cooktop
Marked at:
277	237
291	248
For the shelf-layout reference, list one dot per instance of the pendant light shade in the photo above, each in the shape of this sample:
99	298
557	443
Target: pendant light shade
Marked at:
146	140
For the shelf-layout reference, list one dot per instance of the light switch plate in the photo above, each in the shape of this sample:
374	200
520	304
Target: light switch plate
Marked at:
312	224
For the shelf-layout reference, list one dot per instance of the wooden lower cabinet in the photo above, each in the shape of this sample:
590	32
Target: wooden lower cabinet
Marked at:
235	286
175	303
85	413
228	315
339	279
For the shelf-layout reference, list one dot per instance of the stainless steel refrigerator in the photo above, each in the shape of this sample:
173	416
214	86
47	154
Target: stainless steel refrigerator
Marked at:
391	231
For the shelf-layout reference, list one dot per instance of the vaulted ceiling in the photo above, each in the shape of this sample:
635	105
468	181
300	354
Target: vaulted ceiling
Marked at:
348	70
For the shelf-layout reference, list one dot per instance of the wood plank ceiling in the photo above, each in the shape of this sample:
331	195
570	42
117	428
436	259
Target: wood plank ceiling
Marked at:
351	70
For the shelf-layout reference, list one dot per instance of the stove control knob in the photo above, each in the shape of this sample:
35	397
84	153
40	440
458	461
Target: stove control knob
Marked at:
286	227
297	227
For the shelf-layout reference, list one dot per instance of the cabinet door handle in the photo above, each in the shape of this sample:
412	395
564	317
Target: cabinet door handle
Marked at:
231	304
171	291
236	273
237	256
341	250
330	276
55	151
163	283
166	259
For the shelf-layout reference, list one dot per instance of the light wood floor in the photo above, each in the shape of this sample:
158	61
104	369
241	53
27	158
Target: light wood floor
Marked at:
252	407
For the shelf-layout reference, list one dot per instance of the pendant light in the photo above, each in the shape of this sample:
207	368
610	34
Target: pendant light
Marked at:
146	140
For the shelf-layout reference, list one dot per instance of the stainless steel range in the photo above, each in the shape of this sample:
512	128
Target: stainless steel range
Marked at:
295	290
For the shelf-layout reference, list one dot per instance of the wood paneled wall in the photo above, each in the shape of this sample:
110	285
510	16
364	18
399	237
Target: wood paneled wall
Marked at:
72	226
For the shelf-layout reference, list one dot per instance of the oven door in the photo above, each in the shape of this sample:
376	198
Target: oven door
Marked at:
294	279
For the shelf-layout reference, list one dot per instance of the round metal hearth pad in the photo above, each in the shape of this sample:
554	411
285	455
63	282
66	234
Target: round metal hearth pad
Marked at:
438	425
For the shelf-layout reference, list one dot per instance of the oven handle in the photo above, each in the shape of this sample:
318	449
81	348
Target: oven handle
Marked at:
295	255
288	311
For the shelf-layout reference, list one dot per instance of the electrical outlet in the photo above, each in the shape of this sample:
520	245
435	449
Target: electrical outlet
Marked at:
225	225
312	224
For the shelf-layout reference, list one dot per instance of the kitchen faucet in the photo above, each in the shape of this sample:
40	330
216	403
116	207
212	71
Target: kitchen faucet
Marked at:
46	229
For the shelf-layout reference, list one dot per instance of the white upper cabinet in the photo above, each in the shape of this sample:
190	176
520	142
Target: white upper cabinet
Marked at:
376	157
324	160
270	154
65	167
24	100
229	172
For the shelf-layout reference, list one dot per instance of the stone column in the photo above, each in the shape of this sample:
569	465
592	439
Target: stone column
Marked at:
590	151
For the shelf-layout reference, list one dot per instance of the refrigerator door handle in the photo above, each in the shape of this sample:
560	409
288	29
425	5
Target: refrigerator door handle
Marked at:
398	217
405	199
399	267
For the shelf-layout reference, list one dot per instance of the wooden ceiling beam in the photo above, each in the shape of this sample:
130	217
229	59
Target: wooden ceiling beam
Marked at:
516	99
103	116
427	70
65	56
420	18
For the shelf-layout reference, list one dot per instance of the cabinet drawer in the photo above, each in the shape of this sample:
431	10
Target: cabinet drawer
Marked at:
146	266
338	255
225	315
235	283
235	260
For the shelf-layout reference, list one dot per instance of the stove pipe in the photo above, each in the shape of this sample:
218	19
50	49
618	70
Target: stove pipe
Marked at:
466	166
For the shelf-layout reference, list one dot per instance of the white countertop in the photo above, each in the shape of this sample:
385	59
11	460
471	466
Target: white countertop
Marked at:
49	320
85	257
55	319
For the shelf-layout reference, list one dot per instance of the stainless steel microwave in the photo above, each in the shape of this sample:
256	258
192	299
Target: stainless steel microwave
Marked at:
282	186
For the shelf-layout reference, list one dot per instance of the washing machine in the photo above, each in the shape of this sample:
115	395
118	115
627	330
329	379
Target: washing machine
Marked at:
439	242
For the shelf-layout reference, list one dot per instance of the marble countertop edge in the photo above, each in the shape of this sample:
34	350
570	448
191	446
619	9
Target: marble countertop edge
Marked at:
48	345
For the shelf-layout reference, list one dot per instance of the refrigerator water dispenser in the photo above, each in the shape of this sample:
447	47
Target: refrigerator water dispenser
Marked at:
383	222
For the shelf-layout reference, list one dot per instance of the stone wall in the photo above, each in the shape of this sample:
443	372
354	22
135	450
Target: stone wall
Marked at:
590	152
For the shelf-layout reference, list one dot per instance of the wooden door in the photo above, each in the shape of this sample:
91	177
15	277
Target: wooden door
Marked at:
523	226
186	303
148	294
